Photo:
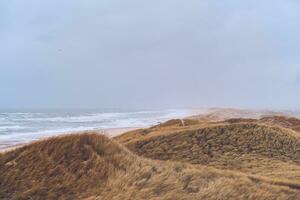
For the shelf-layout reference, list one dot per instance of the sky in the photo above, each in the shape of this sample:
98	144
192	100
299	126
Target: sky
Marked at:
149	54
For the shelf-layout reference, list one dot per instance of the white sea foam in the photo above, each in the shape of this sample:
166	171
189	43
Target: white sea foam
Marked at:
23	127
11	128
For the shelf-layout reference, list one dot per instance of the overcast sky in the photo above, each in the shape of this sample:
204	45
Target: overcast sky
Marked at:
149	54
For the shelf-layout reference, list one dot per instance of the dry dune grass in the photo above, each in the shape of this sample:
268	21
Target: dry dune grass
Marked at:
179	159
51	168
277	120
246	147
169	127
91	166
283	121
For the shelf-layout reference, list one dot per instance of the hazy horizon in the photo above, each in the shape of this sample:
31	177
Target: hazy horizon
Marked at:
149	55
92	110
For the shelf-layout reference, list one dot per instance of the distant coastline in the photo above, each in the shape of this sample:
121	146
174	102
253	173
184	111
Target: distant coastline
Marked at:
112	132
22	128
8	142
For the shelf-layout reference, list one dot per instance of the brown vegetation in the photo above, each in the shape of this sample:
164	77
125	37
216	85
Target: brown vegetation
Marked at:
284	121
60	167
276	120
185	159
246	147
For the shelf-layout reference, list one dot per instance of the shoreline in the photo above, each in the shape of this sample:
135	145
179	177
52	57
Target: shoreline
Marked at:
111	132
9	144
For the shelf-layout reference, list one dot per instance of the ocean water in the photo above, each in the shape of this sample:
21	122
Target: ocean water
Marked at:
21	127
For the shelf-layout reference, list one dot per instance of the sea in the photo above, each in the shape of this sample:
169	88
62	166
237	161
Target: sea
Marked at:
22	127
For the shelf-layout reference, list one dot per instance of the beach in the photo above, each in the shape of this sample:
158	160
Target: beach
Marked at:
19	128
112	132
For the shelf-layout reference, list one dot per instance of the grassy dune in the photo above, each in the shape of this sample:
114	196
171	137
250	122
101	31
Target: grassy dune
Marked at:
246	147
278	121
179	159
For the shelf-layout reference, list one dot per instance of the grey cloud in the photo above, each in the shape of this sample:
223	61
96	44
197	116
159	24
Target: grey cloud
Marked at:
149	54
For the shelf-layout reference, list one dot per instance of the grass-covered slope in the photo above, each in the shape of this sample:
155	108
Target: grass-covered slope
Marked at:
277	120
91	166
245	147
69	166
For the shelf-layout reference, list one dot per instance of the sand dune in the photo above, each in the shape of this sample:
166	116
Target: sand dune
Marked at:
245	147
179	159
91	166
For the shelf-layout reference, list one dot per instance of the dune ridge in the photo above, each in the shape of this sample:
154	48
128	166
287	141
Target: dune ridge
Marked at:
246	147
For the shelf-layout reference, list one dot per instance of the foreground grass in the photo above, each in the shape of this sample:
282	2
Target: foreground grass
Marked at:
91	166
